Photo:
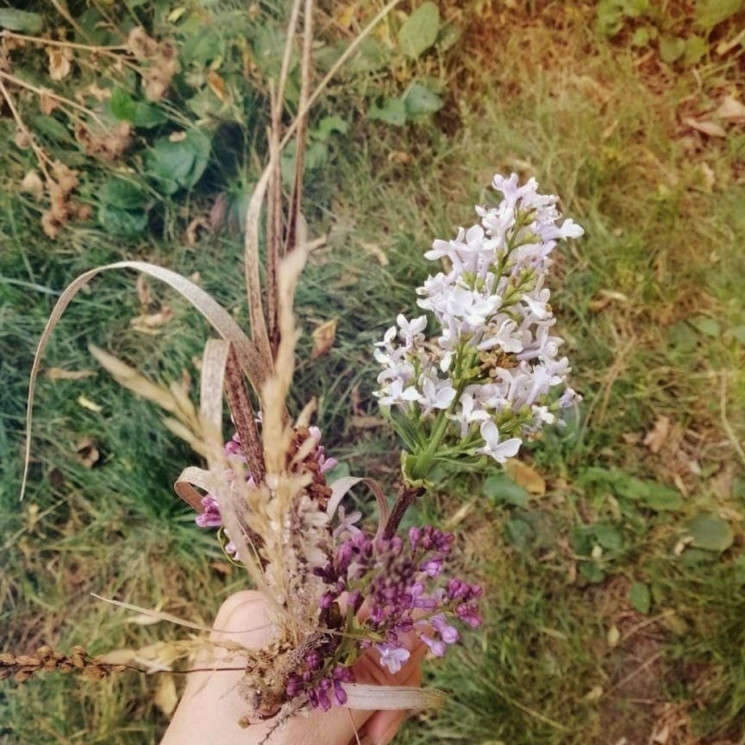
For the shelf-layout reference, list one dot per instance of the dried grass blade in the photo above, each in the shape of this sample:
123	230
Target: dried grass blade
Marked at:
187	480
251	362
252	271
214	361
170	618
373	697
302	126
243	416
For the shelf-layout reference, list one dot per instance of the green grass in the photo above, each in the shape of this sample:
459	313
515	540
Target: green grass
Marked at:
649	301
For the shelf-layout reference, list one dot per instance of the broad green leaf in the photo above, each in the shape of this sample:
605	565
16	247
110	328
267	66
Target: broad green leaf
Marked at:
520	534
420	100
123	194
641	37
710	13
328	126
123	106
672	48
607	536
710	532
449	36
21	20
661	498
202	47
609	17
640	597
393	111
124	223
591	572
707	326
696	49
372	55
419	31
148	115
178	165
501	489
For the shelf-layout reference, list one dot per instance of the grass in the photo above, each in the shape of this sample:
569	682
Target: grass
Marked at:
649	301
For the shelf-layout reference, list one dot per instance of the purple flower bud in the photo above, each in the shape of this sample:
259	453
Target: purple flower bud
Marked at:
327	600
448	634
437	647
468	613
294	686
432	567
415	535
313	660
340	695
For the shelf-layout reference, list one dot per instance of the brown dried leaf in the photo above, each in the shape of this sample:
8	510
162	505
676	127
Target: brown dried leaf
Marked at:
33	185
144	295
377	252
60	62
710	129
48	104
217	85
57	373
149	323
658	435
526	476
730	109
323	338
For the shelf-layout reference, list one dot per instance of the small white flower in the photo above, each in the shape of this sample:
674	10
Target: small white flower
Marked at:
436	394
500	451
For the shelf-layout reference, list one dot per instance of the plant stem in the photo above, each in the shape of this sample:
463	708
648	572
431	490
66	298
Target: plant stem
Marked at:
406	496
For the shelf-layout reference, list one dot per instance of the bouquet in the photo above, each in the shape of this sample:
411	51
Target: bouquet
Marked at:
464	384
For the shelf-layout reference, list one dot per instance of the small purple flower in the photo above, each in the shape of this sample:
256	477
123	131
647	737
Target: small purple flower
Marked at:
391	657
449	634
210	517
437	647
346	524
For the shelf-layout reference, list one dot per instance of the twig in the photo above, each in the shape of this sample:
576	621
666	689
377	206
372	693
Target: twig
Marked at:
404	499
51	94
108	50
41	156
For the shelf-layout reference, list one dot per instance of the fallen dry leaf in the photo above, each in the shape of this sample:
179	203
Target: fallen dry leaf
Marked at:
730	109
33	185
217	85
48	104
657	436
86	403
376	251
194	226
401	157
143	290
526	476
149	323
367	422
323	338
57	373
60	62
711	129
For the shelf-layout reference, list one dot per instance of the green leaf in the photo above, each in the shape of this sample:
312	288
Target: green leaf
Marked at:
711	533
178	165
123	194
148	115
120	222
672	48
640	597
607	536
609	17
420	100
393	111
710	13
449	36
696	49
661	498
419	31
21	20
123	106
739	566
372	55
641	37
520	534
707	326
591	572
202	47
501	489
328	126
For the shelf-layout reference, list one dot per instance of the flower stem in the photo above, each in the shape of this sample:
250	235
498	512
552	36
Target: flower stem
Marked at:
406	496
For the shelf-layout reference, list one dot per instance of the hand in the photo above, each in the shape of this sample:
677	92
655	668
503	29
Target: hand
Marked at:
211	707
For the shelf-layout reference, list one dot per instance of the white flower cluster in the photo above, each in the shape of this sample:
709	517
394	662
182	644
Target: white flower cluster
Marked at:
494	368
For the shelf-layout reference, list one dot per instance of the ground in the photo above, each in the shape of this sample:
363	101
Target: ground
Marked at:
614	570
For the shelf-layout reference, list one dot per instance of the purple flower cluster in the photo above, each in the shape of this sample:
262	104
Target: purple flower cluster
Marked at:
399	589
324	692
